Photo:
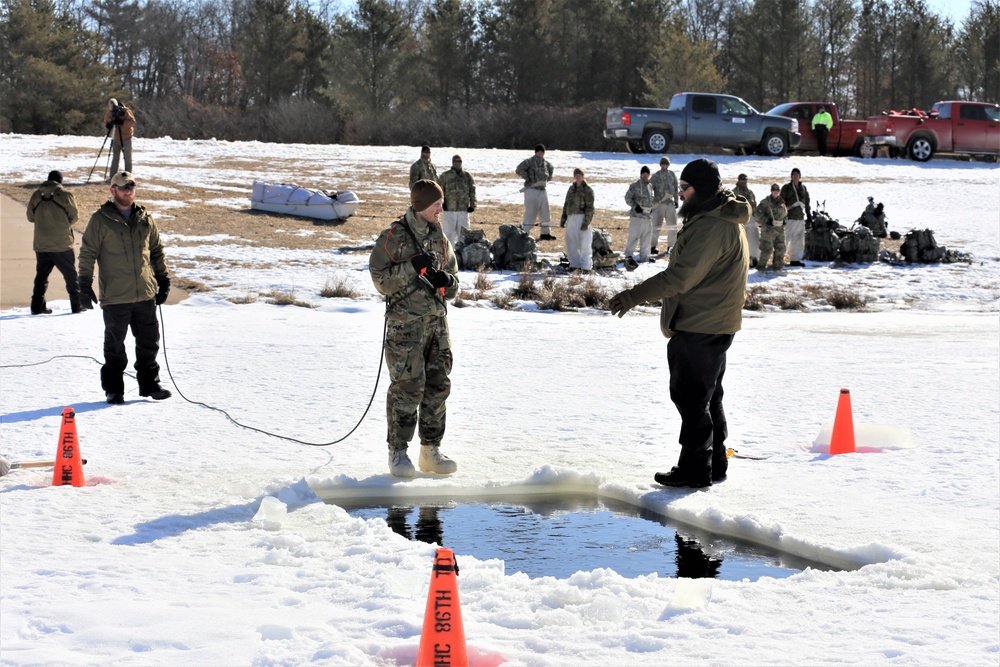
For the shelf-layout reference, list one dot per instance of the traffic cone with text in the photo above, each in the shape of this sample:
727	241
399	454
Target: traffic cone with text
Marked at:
842	436
69	466
442	642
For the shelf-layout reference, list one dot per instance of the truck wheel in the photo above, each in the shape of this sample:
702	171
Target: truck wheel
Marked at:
774	145
634	147
864	150
920	149
655	141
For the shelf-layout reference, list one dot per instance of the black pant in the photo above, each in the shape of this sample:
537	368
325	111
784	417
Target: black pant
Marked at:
141	317
65	261
697	363
821	132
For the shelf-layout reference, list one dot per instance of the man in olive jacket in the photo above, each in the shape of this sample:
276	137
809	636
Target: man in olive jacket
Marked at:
52	209
702	291
123	240
414	267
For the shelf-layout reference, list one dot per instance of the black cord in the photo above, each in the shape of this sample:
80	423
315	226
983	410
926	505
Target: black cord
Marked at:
166	364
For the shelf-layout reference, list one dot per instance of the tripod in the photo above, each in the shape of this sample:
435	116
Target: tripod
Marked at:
106	137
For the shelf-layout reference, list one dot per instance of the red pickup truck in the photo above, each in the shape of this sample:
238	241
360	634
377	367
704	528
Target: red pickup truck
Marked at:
847	137
972	128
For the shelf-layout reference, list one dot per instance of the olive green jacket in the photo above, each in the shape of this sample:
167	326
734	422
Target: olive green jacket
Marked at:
52	209
704	286
129	256
407	297
796	200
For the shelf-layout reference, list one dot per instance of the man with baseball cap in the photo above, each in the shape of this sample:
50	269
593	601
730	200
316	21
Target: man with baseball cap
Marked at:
414	267
122	239
701	291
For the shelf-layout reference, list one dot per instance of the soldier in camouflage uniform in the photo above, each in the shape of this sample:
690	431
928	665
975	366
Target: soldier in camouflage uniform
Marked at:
664	184
797	202
753	231
577	214
423	169
640	199
415	268
536	172
459	199
771	215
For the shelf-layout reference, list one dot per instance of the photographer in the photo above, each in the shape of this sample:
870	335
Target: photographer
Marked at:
120	123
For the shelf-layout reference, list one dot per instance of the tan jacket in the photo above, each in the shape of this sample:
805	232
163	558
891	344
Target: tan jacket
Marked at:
52	209
704	286
130	256
128	127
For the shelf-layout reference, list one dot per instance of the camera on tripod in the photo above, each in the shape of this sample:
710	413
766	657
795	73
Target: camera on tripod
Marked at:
118	114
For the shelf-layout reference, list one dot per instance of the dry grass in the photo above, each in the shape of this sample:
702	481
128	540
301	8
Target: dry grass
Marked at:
285	298
339	288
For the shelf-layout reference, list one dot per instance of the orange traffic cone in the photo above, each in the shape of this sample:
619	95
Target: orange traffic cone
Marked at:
442	642
842	436
69	467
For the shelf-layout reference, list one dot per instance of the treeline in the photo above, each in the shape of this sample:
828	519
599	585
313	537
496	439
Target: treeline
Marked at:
476	73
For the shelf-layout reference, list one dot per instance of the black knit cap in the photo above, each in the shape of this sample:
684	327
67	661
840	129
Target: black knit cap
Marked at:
55	176
540	147
644	170
703	175
424	193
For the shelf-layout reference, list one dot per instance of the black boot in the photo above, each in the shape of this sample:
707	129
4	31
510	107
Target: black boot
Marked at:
38	306
74	303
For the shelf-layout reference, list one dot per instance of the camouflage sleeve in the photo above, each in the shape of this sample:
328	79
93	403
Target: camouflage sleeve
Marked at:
451	266
390	271
472	191
549	170
588	207
630	195
414	173
522	170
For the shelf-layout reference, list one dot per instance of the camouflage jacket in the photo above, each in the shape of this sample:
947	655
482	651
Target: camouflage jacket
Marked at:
788	193
640	194
536	172
459	190
423	170
747	194
579	199
130	256
52	209
771	209
704	286
407	298
664	184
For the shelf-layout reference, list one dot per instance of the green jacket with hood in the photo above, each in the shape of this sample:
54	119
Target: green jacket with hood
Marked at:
704	286
52	209
407	297
129	255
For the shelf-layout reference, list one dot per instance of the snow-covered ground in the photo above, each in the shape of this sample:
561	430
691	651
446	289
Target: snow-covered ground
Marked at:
199	542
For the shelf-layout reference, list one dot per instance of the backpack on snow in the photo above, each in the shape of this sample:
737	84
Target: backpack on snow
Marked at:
919	246
515	249
600	245
822	241
874	219
473	250
859	246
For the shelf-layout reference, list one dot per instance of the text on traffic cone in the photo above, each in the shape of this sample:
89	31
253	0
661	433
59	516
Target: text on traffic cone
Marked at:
69	467
442	642
842	436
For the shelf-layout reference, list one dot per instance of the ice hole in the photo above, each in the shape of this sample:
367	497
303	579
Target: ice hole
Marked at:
560	535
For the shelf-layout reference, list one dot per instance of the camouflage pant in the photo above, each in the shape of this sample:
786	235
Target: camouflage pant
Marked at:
418	355
771	237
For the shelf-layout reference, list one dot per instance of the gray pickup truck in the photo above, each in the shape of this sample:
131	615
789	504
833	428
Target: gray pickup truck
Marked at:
703	118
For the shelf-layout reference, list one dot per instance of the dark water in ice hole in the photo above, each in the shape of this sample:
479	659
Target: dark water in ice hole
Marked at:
559	535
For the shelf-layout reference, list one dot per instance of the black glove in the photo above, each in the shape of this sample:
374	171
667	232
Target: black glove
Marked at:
439	279
621	303
472	209
161	294
421	262
638	209
87	296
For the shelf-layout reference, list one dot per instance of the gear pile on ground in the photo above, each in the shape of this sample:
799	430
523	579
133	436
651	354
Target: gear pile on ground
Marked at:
473	251
515	250
822	239
604	257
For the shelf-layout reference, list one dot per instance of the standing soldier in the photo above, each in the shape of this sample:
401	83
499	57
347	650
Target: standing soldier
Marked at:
665	194
52	209
771	214
577	214
459	199
640	200
423	169
753	232
822	123
120	122
796	199
415	268
536	172
122	239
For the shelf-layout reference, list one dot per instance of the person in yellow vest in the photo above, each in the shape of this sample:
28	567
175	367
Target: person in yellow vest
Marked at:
822	123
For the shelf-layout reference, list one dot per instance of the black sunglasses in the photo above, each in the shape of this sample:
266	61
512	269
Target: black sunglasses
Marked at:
684	186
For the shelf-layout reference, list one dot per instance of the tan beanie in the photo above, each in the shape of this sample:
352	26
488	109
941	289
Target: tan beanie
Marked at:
424	193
